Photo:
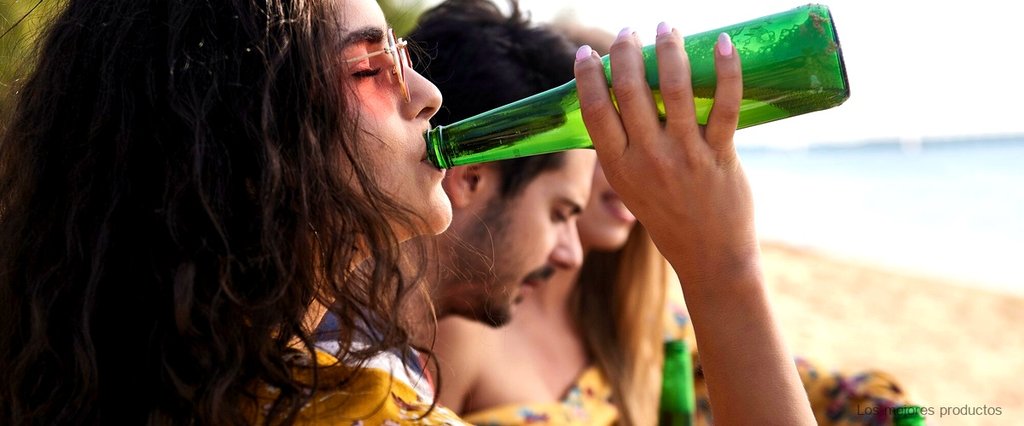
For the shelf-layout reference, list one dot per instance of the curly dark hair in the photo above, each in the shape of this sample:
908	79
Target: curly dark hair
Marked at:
176	190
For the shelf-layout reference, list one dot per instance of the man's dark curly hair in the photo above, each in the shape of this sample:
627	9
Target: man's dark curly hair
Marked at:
457	37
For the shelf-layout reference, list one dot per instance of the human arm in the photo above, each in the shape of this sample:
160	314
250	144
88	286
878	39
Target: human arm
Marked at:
685	183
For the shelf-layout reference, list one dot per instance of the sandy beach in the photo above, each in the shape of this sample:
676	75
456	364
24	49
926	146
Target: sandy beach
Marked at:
949	344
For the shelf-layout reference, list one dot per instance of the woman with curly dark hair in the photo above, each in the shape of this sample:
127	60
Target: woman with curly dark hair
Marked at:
185	186
181	182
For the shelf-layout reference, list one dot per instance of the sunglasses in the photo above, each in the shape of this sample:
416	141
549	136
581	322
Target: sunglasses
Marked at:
398	48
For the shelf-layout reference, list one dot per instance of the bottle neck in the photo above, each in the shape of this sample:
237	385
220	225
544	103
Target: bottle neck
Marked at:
500	133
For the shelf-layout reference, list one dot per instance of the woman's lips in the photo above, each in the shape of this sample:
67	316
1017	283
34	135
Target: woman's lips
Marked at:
427	163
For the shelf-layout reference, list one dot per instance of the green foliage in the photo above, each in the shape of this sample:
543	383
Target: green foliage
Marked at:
20	24
402	14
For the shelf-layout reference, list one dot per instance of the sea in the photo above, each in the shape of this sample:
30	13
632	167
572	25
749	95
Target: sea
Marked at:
948	208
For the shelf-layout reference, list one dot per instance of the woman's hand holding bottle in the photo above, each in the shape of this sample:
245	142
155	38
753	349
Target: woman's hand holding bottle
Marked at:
685	184
683	181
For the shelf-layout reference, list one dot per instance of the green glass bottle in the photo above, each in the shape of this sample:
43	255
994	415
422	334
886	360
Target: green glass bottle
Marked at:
792	65
909	415
677	403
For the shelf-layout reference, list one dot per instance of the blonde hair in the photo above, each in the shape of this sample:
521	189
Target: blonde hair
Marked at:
630	285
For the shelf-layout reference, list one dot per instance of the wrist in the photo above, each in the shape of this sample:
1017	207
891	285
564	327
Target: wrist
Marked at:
728	270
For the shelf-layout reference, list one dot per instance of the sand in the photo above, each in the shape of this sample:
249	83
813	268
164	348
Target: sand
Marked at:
949	344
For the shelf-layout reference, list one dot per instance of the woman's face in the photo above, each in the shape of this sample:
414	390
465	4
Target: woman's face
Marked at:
605	223
391	129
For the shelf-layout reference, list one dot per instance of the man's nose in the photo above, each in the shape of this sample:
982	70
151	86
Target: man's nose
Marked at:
568	253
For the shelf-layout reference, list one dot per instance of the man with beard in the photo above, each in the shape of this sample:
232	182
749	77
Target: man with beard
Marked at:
513	225
514	220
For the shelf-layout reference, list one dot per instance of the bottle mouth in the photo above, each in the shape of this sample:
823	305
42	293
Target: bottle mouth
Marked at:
435	155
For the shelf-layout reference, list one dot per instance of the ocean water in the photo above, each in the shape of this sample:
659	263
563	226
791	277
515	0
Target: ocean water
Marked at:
943	208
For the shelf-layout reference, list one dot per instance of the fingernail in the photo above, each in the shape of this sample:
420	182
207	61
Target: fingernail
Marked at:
583	53
626	32
663	29
724	45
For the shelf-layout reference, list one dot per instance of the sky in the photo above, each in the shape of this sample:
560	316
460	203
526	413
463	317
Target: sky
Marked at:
916	70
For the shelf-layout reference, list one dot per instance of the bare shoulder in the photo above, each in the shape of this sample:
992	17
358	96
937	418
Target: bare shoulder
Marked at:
463	348
462	339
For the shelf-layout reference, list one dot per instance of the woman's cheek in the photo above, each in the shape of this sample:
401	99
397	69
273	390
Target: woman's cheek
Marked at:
375	101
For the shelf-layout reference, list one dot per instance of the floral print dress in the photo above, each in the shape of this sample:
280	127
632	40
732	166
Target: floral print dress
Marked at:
588	402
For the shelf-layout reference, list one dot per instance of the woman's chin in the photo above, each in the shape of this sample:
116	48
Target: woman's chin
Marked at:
433	222
443	218
441	213
607	241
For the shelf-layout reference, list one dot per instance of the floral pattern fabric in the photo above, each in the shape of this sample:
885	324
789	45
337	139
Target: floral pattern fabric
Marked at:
836	399
588	402
371	396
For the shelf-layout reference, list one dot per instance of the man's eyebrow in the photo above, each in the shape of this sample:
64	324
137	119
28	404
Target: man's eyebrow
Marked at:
363	35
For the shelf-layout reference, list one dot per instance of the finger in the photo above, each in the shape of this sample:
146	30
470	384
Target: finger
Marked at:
725	112
599	114
674	81
633	95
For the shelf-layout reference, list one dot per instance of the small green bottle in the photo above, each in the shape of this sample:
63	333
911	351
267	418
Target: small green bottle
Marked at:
677	403
909	415
792	65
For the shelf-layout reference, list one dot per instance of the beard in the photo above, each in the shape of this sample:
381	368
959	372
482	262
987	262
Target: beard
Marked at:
495	316
485	264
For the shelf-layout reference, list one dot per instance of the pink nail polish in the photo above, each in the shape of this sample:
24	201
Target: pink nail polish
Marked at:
626	32
583	53
724	45
663	29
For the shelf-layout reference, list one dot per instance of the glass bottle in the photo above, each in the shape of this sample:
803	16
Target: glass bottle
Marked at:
910	415
677	403
792	65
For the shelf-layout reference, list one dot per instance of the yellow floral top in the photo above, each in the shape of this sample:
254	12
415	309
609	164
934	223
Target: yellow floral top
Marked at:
372	396
586	403
836	399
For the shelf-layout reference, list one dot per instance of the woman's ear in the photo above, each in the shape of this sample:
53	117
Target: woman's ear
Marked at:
468	185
